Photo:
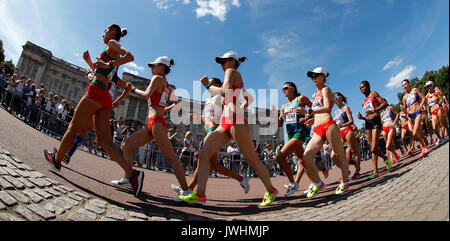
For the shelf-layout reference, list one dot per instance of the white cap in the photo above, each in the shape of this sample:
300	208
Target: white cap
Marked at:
429	83
319	70
161	60
228	55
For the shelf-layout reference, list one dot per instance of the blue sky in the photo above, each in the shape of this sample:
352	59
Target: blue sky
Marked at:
383	41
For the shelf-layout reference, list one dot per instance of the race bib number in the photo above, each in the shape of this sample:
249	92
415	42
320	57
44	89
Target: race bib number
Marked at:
291	118
339	120
368	107
164	97
317	104
432	101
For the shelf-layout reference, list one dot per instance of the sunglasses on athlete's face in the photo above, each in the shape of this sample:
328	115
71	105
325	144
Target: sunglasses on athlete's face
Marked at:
154	65
286	88
315	76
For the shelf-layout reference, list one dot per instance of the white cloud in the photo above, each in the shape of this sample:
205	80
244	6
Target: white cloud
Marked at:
397	61
135	72
216	8
396	81
133	68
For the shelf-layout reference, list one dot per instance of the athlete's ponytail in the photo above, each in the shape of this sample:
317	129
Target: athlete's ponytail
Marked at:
124	32
240	61
172	63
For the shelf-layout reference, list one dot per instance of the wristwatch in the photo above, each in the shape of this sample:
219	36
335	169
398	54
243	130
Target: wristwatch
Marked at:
208	86
111	64
133	90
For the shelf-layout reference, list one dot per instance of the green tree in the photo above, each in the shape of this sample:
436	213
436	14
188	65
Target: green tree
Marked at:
2	52
9	67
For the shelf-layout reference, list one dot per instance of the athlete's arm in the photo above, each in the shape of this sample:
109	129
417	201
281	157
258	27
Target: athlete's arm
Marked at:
127	89
397	115
87	59
350	117
280	118
383	103
424	99
156	82
248	100
176	103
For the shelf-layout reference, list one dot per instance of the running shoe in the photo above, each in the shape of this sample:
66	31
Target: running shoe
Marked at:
50	157
137	180
66	159
293	188
315	189
182	193
122	183
356	176
244	184
424	152
268	198
192	198
388	163
176	189
438	142
342	188
307	190
325	173
374	175
397	157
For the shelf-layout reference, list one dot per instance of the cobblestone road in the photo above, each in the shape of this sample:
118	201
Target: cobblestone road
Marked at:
418	190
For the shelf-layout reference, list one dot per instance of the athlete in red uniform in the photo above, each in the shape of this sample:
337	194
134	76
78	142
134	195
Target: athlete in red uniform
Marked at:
97	103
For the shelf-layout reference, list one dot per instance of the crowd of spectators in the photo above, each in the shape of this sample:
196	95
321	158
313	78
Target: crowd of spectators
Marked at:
51	114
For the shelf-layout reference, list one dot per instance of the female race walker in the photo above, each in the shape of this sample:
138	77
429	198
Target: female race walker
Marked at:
324	129
211	117
297	134
372	106
406	124
114	81
97	104
157	95
232	125
414	100
344	120
435	101
444	106
389	118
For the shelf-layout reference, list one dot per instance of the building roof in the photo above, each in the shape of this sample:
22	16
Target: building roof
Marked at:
57	61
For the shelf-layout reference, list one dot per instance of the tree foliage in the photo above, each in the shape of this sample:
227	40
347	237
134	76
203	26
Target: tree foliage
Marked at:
8	66
2	52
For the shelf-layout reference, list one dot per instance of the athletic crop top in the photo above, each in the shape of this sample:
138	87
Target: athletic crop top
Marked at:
341	116
370	103
318	101
234	96
411	99
432	99
159	99
291	117
108	72
387	115
212	110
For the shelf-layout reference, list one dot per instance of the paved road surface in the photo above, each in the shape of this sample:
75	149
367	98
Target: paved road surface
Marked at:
416	189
